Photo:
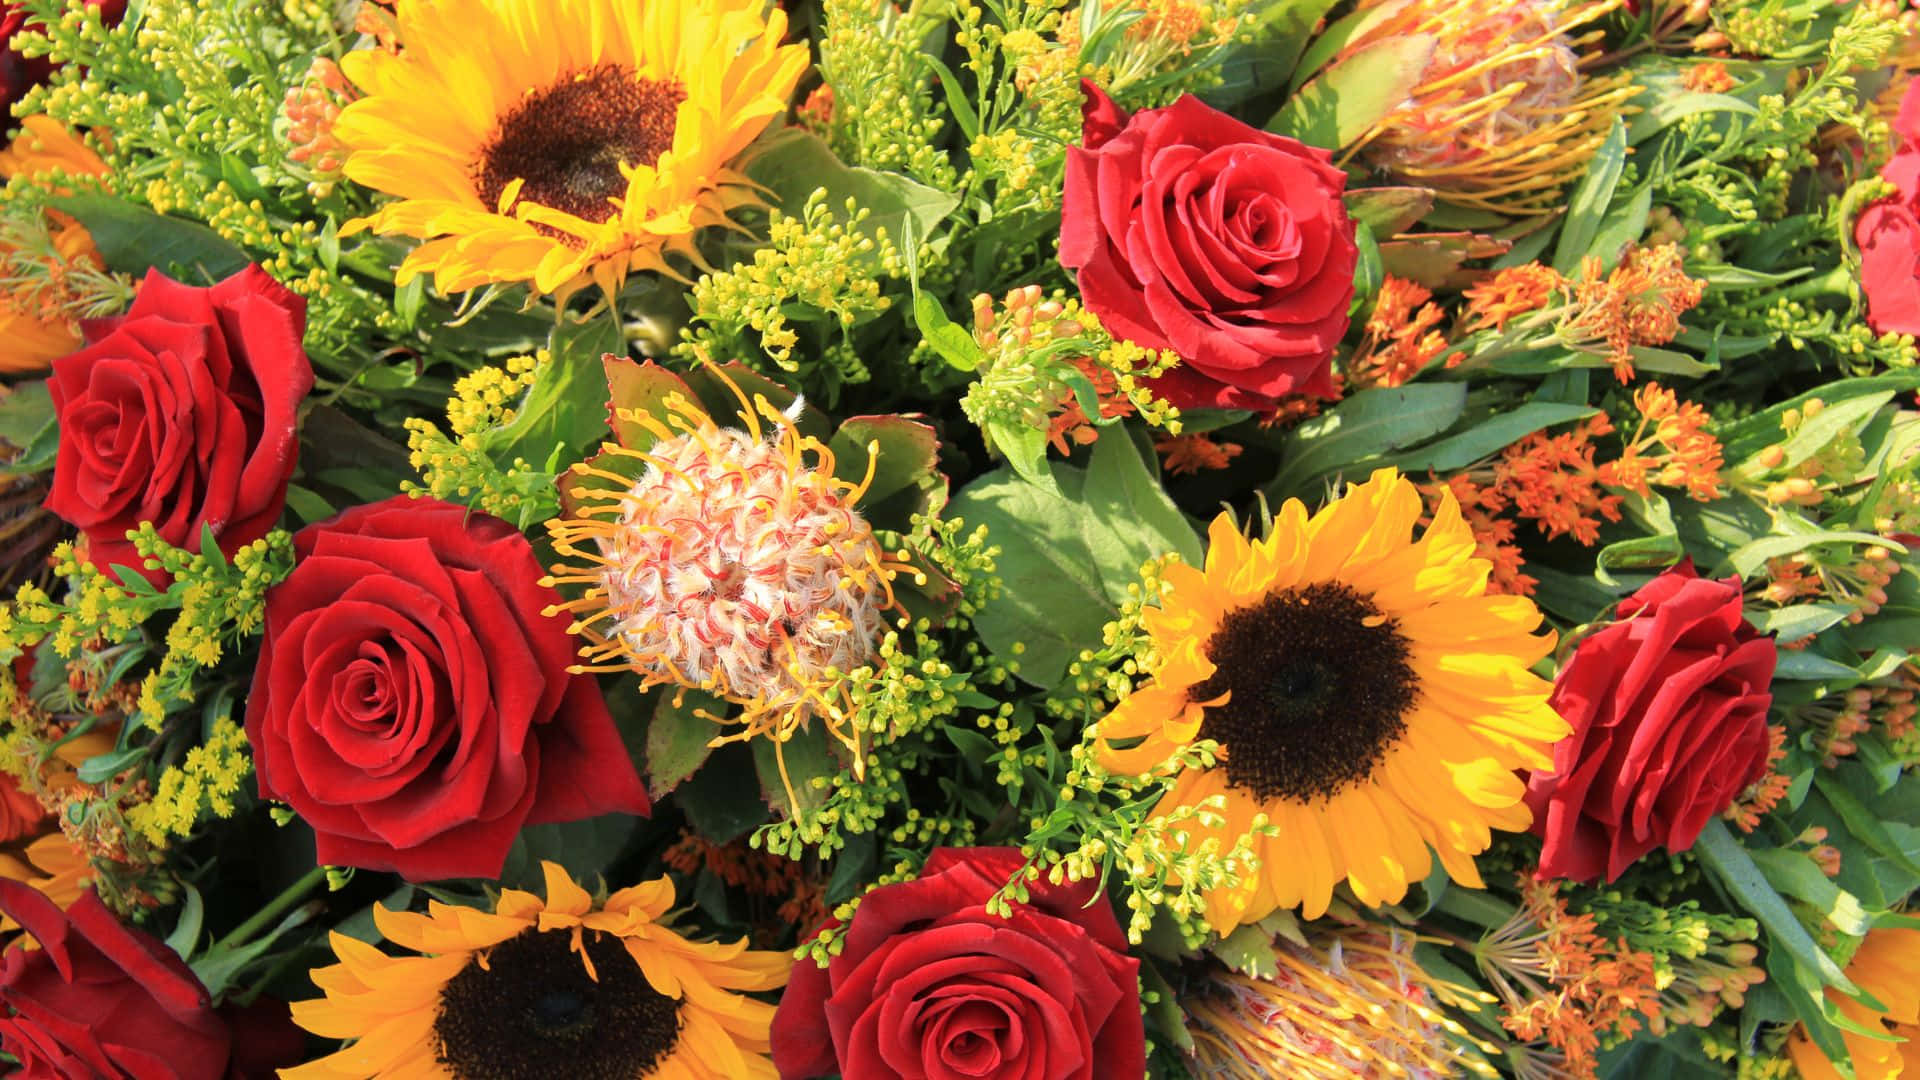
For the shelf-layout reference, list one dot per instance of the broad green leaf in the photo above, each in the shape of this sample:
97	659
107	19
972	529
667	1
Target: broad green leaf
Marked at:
1371	423
133	239
639	388
1129	502
1024	446
1341	103
25	411
680	738
1249	951
585	849
1831	422
906	467
946	337
722	800
1062	568
565	409
1798	621
793	163
807	756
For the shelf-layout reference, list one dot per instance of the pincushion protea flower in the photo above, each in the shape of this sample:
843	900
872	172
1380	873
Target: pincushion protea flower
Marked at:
725	560
1349	1001
1503	117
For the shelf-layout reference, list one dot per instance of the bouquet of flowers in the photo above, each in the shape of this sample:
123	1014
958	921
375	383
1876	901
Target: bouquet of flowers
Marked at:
960	539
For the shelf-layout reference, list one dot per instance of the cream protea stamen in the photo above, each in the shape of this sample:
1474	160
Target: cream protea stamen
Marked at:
732	564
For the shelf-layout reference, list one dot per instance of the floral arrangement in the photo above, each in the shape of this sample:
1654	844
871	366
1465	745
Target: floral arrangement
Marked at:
976	539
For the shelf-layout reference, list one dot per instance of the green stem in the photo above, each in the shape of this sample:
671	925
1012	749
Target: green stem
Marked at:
275	908
1474	906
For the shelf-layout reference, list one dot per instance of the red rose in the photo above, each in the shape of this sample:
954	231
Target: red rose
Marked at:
1888	233
412	703
101	999
1229	245
1669	715
19	74
930	984
181	413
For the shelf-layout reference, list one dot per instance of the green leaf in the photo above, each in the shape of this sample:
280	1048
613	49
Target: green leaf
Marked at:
1747	436
1833	421
1661	110
793	163
1641	553
38	455
679	738
1735	869
722	800
103	767
186	929
1131	504
1341	103
1795	874
1389	210
566	407
25	412
643	389
1063	569
1798	621
1249	951
1863	824
953	344
1490	436
1283	30
1590	201
585	849
1800	665
808	756
1621	226
906	467
133	239
1330	42
1364	427
1750	557
1024	446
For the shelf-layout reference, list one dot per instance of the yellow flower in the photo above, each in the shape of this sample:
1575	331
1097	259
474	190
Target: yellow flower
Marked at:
1887	965
1371	700
561	141
561	986
50	863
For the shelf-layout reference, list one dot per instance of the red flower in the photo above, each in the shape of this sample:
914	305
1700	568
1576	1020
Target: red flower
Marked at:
930	984
101	999
1888	233
412	703
181	413
20	813
1229	245
1669	715
18	74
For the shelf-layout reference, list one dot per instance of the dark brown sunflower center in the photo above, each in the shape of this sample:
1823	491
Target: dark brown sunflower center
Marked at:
1321	686
533	1013
568	141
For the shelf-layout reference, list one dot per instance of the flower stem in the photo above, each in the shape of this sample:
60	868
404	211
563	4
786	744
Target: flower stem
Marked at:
275	908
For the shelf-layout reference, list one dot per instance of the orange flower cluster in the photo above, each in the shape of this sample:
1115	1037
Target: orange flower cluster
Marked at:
1638	304
1861	585
1552	481
761	875
1493	536
1507	294
311	108
1400	336
1689	457
1185	454
1070	425
1560	982
1708	77
1765	793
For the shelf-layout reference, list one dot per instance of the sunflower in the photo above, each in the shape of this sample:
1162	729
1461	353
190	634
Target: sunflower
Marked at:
1370	699
1887	966
49	258
560	989
561	141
